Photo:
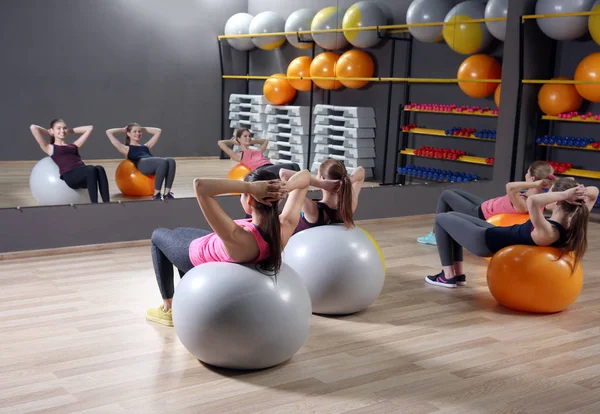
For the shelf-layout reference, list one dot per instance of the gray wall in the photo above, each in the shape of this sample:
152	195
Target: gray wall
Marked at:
111	62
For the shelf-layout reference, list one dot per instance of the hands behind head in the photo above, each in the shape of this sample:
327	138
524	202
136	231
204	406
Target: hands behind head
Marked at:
544	184
331	186
576	195
267	192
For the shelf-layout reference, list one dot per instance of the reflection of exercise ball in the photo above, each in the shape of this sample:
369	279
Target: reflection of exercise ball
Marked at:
563	28
239	24
238	172
534	279
557	99
323	65
497	8
234	316
49	189
278	90
428	11
131	182
594	22
354	64
589	70
479	67
497	95
268	22
363	14
340	280
466	38
508	220
327	19
300	21
300	67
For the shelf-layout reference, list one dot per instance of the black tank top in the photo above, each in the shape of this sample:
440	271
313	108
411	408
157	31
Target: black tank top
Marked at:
332	218
497	238
137	152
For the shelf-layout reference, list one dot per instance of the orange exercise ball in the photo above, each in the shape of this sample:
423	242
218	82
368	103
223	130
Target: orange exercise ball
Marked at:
323	65
131	182
497	96
507	220
354	64
556	99
479	67
238	172
300	67
589	70
534	279
278	90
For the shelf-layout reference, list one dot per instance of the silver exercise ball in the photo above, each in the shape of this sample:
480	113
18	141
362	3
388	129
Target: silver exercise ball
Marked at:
563	28
363	14
497	8
300	21
428	11
268	22
342	269
233	316
236	25
49	189
466	38
327	19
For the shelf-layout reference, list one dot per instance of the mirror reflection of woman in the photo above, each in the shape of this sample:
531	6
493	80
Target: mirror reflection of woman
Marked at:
163	169
72	169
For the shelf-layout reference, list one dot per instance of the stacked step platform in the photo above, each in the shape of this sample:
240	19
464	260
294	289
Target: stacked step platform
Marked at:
287	132
248	111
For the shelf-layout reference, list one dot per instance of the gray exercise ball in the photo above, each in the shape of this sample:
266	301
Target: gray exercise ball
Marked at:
428	11
342	269
300	21
497	8
233	316
239	24
563	28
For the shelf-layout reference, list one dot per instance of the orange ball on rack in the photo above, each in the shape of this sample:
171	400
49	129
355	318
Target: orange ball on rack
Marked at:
354	64
555	99
589	70
497	96
479	67
278	90
324	65
300	67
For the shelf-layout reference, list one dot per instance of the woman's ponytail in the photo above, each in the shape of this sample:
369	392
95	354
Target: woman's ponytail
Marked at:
344	207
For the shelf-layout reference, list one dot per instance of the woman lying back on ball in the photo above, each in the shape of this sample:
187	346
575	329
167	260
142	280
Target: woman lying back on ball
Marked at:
340	195
566	229
259	240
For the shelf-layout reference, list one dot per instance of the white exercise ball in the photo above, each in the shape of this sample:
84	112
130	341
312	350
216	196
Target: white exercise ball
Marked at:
428	11
494	9
233	316
300	21
268	22
329	18
363	14
563	28
49	189
239	24
343	269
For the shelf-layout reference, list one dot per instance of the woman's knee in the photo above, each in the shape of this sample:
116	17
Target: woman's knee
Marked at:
171	161
158	235
100	169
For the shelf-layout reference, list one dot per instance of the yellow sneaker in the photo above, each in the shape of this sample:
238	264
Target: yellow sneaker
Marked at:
158	315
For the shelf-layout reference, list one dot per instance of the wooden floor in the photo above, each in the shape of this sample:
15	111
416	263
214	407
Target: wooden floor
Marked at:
74	339
14	179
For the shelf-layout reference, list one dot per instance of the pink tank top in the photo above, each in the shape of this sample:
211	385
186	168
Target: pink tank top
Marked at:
498	205
210	248
254	159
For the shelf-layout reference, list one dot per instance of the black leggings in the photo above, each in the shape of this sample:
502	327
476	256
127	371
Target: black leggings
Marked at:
274	168
454	230
92	177
171	248
460	201
163	170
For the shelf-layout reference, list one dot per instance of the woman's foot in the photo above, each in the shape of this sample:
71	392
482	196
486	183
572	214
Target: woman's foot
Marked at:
157	196
440	280
169	196
461	280
159	315
429	238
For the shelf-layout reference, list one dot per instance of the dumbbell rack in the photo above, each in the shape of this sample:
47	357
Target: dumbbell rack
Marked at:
347	134
288	134
248	111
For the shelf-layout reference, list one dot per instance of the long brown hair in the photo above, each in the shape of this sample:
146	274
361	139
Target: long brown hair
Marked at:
335	170
542	170
52	123
128	129
270	213
576	233
239	132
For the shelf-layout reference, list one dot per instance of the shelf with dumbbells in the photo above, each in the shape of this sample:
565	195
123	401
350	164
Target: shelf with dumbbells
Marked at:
409	129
